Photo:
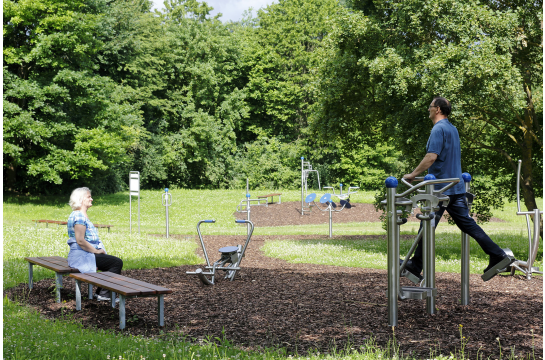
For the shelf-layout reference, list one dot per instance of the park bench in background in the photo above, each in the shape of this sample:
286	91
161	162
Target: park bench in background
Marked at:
47	222
272	197
56	263
126	288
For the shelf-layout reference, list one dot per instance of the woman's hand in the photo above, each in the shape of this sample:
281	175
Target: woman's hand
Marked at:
79	230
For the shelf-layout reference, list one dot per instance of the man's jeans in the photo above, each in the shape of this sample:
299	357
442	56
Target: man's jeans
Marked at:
458	210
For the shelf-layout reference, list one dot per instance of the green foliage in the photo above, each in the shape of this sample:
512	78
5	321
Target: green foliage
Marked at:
382	66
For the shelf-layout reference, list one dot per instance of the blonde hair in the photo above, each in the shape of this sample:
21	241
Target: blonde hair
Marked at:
76	198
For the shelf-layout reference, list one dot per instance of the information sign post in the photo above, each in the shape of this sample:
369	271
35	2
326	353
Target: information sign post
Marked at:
134	190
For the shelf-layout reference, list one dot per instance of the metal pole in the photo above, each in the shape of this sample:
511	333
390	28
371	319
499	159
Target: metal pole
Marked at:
428	240
302	185
393	250
341	186
465	251
165	200
330	221
533	248
248	213
130	213
138	212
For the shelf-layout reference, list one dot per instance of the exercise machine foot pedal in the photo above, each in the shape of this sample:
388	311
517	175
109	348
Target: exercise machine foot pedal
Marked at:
416	293
409	275
498	268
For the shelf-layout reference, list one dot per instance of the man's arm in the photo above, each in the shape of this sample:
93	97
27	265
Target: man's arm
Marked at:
424	165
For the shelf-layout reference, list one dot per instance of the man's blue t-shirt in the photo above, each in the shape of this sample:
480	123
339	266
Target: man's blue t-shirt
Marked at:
445	142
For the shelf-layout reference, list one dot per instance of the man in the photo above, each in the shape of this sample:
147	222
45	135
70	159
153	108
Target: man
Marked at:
443	160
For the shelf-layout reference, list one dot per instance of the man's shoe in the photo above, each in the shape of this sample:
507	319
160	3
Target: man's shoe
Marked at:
497	265
106	298
410	267
493	261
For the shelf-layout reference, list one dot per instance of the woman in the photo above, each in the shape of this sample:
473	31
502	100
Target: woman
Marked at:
87	253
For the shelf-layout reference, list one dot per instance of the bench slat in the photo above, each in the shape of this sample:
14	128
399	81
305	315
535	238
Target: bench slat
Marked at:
123	281
47	263
158	289
90	278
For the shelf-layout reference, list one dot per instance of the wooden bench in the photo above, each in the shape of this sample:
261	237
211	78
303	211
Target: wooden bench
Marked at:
126	288
47	222
272	197
103	226
56	263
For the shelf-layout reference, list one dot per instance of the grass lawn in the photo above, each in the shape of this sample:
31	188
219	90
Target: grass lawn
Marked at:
25	337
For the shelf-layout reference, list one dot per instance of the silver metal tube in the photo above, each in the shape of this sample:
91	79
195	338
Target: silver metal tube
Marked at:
429	255
533	246
302	185
411	250
121	311
130	214
202	242
161	309
425	183
330	220
78	294
30	275
393	256
465	261
139	213
518	185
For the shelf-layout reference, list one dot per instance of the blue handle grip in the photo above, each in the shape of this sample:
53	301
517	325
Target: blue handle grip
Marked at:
209	221
240	221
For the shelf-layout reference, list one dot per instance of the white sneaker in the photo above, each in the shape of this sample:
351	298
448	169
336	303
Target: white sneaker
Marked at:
106	298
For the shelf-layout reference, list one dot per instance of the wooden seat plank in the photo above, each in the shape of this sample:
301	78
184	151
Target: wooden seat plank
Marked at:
44	262
158	289
144	290
89	278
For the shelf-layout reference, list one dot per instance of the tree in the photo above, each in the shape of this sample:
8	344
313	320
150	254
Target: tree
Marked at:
63	123
382	66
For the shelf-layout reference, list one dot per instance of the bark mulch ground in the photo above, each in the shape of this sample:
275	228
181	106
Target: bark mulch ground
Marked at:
289	213
305	307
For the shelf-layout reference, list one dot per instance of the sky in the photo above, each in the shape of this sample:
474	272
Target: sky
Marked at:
231	9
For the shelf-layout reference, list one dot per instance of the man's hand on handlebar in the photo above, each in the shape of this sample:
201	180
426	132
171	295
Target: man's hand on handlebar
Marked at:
409	177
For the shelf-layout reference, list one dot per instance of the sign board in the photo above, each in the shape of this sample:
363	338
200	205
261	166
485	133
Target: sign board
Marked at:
134	190
134	183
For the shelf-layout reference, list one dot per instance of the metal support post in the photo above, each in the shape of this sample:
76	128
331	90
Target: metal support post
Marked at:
465	249
134	190
166	200
78	294
122	311
393	250
302	185
532	250
58	286
30	275
428	253
248	205
161	309
330	221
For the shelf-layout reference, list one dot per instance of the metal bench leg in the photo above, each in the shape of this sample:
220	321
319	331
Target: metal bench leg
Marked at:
58	286
90	291
280	199
112	298
121	311
30	275
161	309
78	294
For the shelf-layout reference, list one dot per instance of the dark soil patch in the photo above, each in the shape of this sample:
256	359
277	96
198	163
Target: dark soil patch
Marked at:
303	307
289	213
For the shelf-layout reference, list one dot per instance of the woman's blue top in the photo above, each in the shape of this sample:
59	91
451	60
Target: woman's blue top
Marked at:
78	258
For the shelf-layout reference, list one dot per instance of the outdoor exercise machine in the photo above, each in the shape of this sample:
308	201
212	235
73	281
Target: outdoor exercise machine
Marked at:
330	206
526	267
231	257
245	205
166	200
306	169
345	196
428	198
